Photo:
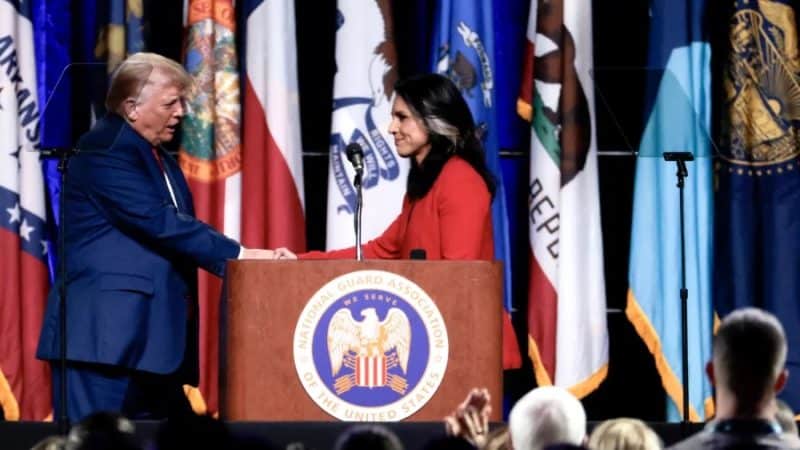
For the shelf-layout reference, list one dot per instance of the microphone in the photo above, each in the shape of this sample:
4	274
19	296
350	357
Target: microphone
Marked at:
355	155
678	156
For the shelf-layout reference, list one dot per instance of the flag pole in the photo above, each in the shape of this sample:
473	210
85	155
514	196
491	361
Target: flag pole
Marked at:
63	155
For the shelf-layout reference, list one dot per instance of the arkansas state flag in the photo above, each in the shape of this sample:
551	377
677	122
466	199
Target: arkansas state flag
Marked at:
24	381
272	153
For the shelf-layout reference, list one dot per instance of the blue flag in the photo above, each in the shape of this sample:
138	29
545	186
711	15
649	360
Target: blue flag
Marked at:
52	41
464	51
677	119
757	247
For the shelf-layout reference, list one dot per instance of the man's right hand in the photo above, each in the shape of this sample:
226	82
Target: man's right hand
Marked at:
257	253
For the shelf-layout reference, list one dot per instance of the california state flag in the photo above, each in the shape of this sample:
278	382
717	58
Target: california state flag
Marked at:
568	337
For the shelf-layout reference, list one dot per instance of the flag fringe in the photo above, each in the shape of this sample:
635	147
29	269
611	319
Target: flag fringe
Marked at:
196	399
592	382
8	403
580	389
539	371
524	109
672	385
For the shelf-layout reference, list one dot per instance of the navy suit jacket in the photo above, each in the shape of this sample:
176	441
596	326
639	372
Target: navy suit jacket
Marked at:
132	258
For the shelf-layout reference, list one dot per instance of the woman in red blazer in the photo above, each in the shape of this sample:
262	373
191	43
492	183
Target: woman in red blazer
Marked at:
447	207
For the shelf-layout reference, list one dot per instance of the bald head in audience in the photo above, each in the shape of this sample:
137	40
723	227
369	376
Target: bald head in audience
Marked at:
546	416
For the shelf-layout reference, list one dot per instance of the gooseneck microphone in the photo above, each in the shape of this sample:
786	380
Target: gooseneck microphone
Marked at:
355	154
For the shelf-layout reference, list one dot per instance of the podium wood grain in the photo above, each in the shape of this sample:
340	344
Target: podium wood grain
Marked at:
265	299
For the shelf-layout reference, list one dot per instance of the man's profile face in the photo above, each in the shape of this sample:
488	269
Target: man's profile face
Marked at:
159	109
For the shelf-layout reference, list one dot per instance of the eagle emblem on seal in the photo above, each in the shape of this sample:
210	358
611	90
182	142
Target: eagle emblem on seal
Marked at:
370	349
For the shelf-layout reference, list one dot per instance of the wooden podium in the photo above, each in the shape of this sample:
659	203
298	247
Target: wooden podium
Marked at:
265	300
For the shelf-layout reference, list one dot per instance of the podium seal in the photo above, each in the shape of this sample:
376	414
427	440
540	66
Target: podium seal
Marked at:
370	346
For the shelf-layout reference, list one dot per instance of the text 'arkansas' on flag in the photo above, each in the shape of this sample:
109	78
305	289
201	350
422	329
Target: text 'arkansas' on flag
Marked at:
24	380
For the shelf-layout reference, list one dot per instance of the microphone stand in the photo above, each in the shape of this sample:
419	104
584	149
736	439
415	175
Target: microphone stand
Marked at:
680	159
357	215
63	155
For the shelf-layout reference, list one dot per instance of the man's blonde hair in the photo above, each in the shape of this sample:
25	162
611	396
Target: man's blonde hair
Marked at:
624	434
133	74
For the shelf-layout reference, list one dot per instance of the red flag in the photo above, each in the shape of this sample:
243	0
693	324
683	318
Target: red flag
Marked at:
272	165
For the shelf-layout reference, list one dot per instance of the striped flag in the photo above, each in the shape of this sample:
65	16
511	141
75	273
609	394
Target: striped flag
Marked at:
210	157
463	40
567	332
272	154
363	92
677	119
371	371
24	381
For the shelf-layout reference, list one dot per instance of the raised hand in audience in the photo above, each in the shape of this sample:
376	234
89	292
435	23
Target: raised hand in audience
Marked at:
470	420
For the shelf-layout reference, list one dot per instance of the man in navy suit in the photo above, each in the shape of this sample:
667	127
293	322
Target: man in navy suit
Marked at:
133	247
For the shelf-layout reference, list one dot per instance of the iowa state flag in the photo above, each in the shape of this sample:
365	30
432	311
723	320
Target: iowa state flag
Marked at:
210	157
464	51
363	93
567	331
24	381
757	203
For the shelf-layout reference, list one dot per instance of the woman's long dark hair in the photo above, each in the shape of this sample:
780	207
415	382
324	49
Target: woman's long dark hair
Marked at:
451	131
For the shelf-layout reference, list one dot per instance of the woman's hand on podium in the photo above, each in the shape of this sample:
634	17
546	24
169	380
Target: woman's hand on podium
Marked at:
284	253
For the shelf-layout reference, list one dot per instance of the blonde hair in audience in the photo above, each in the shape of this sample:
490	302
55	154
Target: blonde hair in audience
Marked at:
624	434
785	417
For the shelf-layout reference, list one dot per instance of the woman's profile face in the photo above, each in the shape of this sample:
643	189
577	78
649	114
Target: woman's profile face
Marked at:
410	135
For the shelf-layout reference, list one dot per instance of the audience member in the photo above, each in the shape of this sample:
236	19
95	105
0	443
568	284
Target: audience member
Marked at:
785	417
51	443
747	370
103	431
470	420
368	437
194	432
547	416
498	439
624	434
449	443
